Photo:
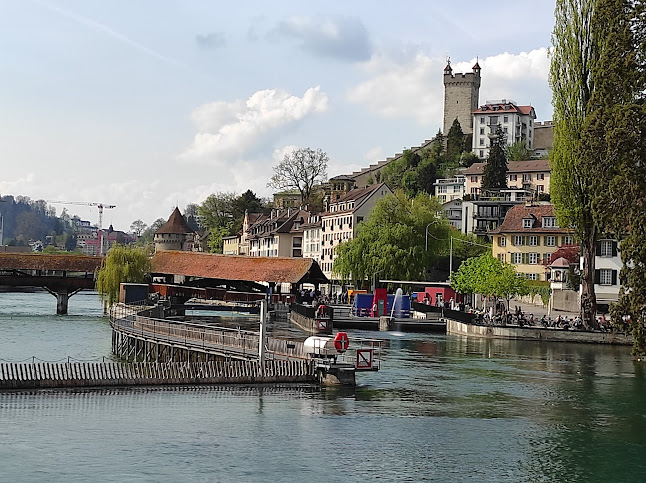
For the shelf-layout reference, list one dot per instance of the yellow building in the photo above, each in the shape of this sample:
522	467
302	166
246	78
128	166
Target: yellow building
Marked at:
528	237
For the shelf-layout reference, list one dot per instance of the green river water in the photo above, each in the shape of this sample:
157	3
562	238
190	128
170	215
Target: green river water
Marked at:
441	409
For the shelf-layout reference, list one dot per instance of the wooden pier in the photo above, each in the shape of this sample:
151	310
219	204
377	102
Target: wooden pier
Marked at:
15	376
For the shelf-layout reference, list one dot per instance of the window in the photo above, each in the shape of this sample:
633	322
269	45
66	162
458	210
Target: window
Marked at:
533	258
533	241
568	240
482	120
532	276
504	129
527	177
501	257
474	179
482	131
513	177
516	258
549	222
474	191
541	188
505	119
540	176
481	153
606	248
550	241
518	240
481	141
605	276
527	222
502	241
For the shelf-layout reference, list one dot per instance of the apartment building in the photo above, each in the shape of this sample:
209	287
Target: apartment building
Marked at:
339	222
279	234
528	237
449	189
516	122
533	175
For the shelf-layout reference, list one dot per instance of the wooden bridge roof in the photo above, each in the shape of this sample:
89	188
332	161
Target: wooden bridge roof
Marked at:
36	261
235	267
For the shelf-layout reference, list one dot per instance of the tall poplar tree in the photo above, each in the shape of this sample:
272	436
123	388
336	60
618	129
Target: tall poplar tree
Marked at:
614	136
495	172
574	51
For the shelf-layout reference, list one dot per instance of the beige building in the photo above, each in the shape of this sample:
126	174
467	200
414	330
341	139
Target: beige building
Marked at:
279	234
231	245
533	175
528	237
339	222
312	236
449	189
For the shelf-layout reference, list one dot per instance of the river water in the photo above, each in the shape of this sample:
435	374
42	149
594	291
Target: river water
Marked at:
441	409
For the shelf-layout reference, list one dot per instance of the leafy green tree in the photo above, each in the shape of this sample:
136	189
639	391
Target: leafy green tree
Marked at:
488	276
495	172
301	169
426	175
122	264
468	158
613	144
148	235
519	151
393	239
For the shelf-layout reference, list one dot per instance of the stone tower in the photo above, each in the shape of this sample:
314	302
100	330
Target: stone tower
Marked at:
461	92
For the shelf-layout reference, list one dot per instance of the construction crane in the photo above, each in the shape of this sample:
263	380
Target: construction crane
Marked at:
100	206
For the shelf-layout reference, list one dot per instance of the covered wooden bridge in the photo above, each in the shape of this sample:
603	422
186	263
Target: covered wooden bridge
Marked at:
60	275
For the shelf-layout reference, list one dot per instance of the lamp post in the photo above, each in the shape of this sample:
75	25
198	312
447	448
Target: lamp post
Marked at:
426	244
374	279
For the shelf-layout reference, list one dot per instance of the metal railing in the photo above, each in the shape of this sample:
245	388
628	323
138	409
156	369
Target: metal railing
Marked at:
126	318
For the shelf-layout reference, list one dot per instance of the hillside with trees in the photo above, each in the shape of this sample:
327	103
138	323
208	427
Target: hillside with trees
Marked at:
26	220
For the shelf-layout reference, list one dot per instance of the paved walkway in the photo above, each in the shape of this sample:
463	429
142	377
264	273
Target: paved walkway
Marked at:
539	310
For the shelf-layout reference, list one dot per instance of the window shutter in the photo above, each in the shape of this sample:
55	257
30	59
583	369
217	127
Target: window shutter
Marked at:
614	250
598	249
597	275
498	237
525	258
614	277
538	240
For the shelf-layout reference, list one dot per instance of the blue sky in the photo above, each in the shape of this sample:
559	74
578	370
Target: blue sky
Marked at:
151	104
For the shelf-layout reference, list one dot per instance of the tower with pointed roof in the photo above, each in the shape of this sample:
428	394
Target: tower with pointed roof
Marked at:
175	234
461	94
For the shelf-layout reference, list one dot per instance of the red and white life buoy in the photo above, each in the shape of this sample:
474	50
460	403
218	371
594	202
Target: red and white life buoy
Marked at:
341	342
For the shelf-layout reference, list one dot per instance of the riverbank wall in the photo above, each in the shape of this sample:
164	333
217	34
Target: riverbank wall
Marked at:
454	327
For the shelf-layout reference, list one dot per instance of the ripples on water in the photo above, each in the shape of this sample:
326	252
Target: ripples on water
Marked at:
442	409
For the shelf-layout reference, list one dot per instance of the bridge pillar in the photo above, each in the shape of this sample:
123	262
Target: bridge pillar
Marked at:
62	300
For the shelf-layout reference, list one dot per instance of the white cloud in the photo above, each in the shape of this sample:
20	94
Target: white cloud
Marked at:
402	86
227	131
17	186
374	154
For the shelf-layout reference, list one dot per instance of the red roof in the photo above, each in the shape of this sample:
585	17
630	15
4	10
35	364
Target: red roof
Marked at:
236	267
508	107
514	220
34	261
176	225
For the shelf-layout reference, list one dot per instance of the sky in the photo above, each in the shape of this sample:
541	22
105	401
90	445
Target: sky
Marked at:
153	104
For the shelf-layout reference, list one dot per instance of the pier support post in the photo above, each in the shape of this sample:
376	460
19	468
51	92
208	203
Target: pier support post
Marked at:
62	300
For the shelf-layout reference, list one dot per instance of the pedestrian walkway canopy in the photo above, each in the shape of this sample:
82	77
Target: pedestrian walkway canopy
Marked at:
238	268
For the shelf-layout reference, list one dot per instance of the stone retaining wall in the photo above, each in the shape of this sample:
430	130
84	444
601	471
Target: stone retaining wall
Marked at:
454	327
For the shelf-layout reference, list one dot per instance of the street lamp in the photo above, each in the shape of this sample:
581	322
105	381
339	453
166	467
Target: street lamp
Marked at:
431	223
374	279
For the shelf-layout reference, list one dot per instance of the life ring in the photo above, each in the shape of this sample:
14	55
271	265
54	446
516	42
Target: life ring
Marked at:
341	342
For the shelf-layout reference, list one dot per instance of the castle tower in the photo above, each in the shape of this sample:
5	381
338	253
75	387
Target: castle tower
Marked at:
461	93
